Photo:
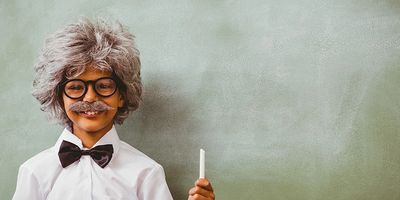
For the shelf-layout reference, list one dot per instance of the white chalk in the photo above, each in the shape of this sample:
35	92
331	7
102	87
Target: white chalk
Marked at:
202	163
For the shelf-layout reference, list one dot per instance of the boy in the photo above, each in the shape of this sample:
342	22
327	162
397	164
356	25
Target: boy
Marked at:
88	78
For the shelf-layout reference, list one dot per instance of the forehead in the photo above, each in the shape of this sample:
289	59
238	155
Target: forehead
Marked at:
91	73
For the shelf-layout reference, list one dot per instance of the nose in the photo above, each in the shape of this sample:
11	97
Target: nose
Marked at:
90	95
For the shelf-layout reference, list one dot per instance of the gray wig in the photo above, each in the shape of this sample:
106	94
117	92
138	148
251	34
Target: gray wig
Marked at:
68	52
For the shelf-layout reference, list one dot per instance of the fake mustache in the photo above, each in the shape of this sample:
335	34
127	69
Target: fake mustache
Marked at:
84	106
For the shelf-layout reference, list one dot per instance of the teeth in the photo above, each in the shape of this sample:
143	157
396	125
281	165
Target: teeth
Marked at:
91	112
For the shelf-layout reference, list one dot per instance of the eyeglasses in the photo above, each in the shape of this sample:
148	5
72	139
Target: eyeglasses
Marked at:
77	88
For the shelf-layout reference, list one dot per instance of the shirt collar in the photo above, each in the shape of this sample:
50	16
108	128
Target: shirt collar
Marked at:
111	137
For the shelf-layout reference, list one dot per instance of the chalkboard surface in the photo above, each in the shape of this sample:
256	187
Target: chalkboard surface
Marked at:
292	100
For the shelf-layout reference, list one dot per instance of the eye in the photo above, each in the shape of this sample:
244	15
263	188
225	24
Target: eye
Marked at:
75	87
105	86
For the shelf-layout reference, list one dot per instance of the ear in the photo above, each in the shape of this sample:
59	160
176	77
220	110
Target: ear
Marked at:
60	101
121	101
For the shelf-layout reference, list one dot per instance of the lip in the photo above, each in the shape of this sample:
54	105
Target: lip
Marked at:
90	114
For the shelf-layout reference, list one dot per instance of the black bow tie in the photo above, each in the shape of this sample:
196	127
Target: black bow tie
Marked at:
69	153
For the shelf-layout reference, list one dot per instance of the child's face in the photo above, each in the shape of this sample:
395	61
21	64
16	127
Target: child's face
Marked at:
93	122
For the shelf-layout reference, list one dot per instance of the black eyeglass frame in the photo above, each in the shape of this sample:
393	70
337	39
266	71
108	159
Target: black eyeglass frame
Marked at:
93	83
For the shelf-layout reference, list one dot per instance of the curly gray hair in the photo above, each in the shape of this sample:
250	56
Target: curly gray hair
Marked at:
68	52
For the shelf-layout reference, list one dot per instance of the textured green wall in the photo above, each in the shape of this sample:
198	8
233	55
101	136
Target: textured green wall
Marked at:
292	100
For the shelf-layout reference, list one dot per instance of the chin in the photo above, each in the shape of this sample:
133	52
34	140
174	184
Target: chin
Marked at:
90	127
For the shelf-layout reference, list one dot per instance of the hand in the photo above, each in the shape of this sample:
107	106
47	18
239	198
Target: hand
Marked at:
202	190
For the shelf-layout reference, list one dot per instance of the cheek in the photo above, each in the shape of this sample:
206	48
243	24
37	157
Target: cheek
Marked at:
66	103
111	114
115	103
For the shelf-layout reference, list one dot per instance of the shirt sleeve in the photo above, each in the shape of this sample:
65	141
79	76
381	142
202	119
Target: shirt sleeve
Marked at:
28	187
154	186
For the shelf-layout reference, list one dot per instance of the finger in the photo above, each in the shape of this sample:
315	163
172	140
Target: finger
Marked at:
198	197
204	183
201	191
192	191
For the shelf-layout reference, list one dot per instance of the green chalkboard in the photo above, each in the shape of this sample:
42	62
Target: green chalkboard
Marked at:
292	100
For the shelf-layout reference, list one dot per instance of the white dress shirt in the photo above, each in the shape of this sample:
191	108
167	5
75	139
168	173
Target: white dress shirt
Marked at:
129	175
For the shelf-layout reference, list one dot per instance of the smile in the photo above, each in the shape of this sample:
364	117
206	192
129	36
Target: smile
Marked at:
90	114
